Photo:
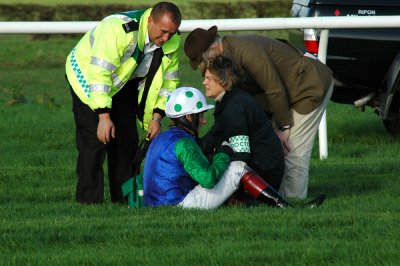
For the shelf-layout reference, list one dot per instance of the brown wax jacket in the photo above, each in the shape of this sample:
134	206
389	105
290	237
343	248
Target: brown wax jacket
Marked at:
278	75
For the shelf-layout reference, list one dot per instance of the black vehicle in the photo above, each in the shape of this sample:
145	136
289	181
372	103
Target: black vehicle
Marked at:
365	62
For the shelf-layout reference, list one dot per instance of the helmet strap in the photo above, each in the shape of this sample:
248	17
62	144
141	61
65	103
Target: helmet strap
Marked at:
190	127
196	121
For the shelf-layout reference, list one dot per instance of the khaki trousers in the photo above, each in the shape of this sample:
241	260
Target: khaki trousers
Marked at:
301	140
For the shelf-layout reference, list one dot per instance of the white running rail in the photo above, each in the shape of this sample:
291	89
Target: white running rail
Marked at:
323	23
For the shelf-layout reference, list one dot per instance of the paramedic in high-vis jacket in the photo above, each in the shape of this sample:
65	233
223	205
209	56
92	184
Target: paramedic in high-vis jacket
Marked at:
120	73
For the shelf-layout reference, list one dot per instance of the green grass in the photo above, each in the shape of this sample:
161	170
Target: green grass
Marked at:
40	224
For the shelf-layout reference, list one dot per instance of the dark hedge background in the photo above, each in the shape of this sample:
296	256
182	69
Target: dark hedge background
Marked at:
194	10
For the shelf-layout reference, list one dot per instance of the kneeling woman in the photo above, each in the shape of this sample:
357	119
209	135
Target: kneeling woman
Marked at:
239	120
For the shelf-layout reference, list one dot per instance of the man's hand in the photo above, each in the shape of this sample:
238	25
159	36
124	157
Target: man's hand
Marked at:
154	126
284	138
105	128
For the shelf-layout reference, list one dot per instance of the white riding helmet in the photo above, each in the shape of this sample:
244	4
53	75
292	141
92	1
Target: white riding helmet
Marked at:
185	101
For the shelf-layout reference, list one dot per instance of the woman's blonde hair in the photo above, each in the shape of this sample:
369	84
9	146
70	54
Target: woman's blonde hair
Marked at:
223	69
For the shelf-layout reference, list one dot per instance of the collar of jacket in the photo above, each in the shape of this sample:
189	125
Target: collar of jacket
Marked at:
170	46
219	106
190	132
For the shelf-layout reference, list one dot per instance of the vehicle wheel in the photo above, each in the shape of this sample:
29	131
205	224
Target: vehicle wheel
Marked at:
392	125
392	122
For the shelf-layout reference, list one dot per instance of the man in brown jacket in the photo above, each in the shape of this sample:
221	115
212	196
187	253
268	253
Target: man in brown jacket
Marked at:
291	86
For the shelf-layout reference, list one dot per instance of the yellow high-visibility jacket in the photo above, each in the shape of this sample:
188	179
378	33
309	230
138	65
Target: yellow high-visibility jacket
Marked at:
105	58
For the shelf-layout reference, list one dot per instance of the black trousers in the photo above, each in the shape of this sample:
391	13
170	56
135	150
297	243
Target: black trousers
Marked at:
119	151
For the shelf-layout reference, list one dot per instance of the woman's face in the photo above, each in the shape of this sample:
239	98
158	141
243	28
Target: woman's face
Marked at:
213	88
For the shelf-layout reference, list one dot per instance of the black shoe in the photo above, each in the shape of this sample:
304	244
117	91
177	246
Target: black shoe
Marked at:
316	202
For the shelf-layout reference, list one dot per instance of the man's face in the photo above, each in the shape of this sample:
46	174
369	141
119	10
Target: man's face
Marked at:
162	30
202	120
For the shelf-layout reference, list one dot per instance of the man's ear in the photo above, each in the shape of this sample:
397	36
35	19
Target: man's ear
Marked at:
189	117
216	48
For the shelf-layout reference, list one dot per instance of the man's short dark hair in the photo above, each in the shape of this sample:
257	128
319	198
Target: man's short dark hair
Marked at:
161	8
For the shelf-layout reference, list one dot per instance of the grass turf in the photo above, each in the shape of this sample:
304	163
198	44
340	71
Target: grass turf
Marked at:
41	224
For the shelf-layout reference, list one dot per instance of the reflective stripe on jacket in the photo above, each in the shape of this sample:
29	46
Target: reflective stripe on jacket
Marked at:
105	58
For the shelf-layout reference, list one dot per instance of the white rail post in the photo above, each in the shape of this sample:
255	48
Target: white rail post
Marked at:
322	130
